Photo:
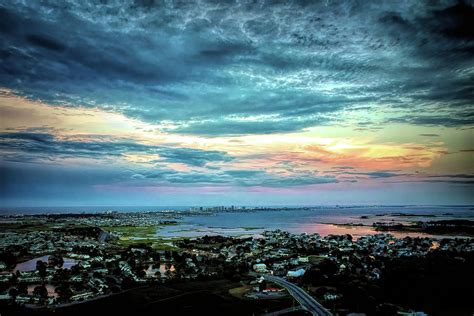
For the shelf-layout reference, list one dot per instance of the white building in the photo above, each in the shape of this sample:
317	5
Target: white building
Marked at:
260	268
296	273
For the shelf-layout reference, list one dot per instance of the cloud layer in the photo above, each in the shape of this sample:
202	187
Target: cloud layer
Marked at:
277	99
237	68
45	146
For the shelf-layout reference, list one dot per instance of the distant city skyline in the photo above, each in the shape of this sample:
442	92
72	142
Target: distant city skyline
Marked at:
317	103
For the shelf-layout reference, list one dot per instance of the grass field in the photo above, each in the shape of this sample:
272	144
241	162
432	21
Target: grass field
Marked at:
240	291
25	227
134	235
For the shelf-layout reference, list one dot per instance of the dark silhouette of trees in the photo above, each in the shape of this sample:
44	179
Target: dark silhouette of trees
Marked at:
41	268
41	291
22	288
55	261
64	292
13	292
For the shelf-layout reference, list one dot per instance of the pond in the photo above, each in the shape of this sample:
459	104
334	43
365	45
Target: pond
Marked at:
49	287
151	271
30	265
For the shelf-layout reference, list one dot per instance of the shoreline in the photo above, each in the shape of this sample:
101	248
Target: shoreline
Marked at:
332	261
447	228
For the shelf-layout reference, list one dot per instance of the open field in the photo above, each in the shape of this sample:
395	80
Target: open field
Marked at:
28	226
240	291
134	235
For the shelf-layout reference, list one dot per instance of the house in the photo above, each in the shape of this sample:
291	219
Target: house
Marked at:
76	279
5	297
296	273
272	290
82	296
260	268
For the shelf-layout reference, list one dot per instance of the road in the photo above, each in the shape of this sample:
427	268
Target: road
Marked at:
306	301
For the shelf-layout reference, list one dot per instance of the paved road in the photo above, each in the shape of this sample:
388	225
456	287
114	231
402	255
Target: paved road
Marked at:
308	302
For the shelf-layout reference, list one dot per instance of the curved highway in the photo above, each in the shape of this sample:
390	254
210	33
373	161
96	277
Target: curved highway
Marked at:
306	301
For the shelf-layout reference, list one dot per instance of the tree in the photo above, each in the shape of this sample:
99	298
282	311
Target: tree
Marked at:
61	275
22	288
328	267
262	285
64	292
55	261
141	274
13	292
41	268
76	269
13	278
41	291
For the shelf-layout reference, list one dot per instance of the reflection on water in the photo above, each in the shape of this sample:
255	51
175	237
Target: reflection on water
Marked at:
313	220
194	231
329	229
163	268
355	231
49	287
30	265
434	245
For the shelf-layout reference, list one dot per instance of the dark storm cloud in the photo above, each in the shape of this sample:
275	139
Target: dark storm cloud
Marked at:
344	168
27	146
458	178
435	120
243	173
466	176
28	183
448	181
58	176
375	174
429	135
23	148
193	157
225	127
234	177
203	66
466	182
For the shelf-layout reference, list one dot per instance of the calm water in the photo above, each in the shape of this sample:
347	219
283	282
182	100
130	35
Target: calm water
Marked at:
317	220
30	265
314	220
151	271
49	287
320	210
85	209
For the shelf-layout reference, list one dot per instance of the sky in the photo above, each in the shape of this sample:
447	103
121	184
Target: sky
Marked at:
244	103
